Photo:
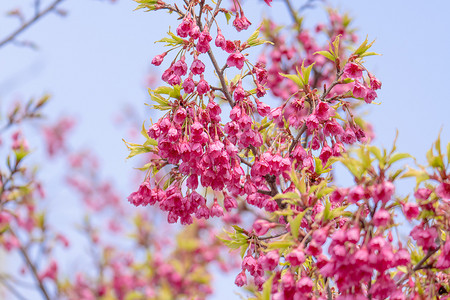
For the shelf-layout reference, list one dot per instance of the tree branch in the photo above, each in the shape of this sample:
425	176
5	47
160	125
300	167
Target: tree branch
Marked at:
219	72
26	25
13	290
273	236
292	11
31	265
332	85
419	265
297	138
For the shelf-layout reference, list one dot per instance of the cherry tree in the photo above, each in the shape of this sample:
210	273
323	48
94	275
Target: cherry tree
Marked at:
307	238
251	129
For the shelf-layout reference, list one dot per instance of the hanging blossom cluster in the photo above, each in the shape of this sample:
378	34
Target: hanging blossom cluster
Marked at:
310	239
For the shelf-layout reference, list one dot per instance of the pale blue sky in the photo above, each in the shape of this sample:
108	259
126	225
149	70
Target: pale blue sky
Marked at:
95	60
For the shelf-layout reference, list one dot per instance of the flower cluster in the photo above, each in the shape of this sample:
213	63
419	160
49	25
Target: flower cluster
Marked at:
222	149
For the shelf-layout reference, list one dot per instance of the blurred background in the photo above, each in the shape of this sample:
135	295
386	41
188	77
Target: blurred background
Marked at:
95	62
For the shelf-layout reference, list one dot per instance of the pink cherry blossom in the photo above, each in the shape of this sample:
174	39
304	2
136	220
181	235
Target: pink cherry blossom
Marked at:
236	59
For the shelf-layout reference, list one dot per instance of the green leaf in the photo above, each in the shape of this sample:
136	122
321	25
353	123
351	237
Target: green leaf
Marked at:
173	41
244	249
395	175
376	151
298	182
176	92
434	161
168	183
238	229
326	211
279	245
354	166
165	90
295	223
254	41
420	175
336	45
338	212
288	195
228	17
294	78
20	154
327	54
150	142
136	149
363	47
364	158
305	73
319	166
254	35
144	131
448	153
232	244
369	54
133	295
338	116
148	4
267	288
323	192
397	157
157	98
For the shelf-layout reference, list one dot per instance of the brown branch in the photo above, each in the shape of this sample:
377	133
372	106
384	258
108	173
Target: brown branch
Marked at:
272	181
216	10
32	266
332	85
12	289
219	72
221	78
297	138
292	11
419	265
26	25
245	162
269	193
273	236
329	294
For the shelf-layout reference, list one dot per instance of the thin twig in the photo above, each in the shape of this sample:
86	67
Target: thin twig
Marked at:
31	265
264	192
308	4
245	162
221	78
37	6
329	294
219	72
13	290
332	85
292	11
273	236
419	265
297	138
26	25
